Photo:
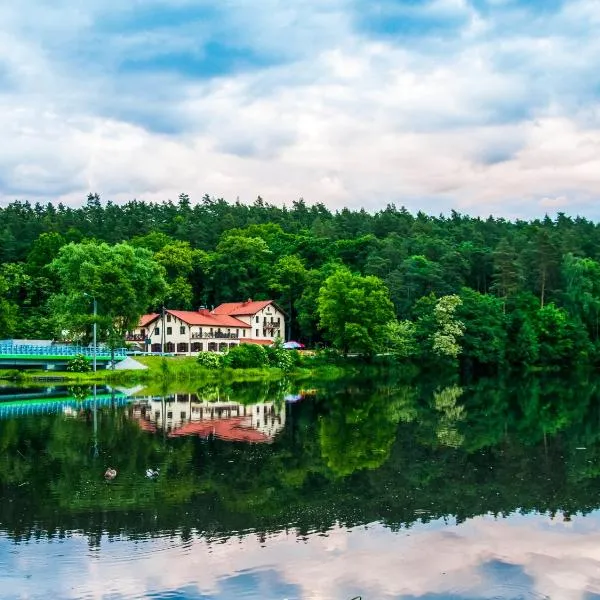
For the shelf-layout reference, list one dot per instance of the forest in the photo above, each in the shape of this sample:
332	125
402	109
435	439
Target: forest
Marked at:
486	293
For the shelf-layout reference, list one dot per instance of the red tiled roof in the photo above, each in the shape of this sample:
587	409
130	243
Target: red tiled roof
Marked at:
147	319
207	318
241	308
259	342
203	318
226	429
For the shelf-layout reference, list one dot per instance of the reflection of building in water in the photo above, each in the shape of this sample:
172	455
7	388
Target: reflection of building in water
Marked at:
187	414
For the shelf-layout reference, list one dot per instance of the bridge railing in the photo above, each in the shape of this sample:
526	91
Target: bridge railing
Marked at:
58	350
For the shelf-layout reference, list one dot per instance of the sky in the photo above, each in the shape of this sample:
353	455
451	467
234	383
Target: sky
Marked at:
482	106
526	557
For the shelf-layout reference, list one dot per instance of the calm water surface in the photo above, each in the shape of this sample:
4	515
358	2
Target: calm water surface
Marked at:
364	487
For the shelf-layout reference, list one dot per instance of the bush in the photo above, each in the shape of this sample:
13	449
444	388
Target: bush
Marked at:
210	360
246	356
79	364
282	359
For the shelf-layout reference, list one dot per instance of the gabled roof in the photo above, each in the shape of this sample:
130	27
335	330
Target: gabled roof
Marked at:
207	319
249	307
147	319
204	318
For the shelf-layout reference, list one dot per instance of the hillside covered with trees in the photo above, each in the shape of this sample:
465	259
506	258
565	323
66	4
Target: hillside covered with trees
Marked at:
489	292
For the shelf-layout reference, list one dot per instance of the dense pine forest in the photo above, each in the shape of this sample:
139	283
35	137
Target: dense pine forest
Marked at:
489	293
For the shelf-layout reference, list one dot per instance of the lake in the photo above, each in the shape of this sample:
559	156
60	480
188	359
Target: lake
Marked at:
368	486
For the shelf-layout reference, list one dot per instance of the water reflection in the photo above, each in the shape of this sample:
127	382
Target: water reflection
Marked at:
386	489
188	414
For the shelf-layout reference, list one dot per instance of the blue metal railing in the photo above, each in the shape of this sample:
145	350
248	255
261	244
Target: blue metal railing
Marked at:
57	350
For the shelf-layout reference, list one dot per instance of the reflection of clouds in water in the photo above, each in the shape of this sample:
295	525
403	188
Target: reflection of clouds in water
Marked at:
519	557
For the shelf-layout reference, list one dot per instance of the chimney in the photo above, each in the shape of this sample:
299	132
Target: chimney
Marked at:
203	310
248	301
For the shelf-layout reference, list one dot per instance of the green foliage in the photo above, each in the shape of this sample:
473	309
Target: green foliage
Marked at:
124	281
79	364
400	339
135	256
210	360
354	311
8	311
281	358
445	340
246	356
484	339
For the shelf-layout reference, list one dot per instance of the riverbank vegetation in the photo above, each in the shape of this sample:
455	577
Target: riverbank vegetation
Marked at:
487	294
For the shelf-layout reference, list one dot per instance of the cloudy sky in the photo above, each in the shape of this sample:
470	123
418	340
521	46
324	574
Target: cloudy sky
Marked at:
485	106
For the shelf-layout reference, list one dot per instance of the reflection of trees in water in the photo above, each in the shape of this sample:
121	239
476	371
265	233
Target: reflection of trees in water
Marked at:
450	414
359	452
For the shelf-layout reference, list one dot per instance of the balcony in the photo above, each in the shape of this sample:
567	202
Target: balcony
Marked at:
135	337
217	335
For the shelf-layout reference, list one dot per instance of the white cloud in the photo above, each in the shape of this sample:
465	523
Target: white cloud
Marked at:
484	121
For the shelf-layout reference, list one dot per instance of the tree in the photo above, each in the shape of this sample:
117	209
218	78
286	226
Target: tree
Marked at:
178	260
445	341
8	311
438	329
582	290
240	268
354	311
288	280
125	282
484	339
507	276
400	339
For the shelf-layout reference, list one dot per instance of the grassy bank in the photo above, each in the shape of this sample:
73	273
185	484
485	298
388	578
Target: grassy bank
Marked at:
182	370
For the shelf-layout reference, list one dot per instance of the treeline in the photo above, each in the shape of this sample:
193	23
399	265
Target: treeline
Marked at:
489	292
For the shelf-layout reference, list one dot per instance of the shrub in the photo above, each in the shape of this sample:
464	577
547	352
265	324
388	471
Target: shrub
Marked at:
210	360
246	356
79	364
280	358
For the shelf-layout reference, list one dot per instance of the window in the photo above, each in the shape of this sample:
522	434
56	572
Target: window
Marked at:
237	333
168	318
264	333
157	331
169	415
169	330
182	415
182	329
257	333
200	331
257	318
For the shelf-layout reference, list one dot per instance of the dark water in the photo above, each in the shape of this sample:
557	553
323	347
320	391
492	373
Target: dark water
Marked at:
364	487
